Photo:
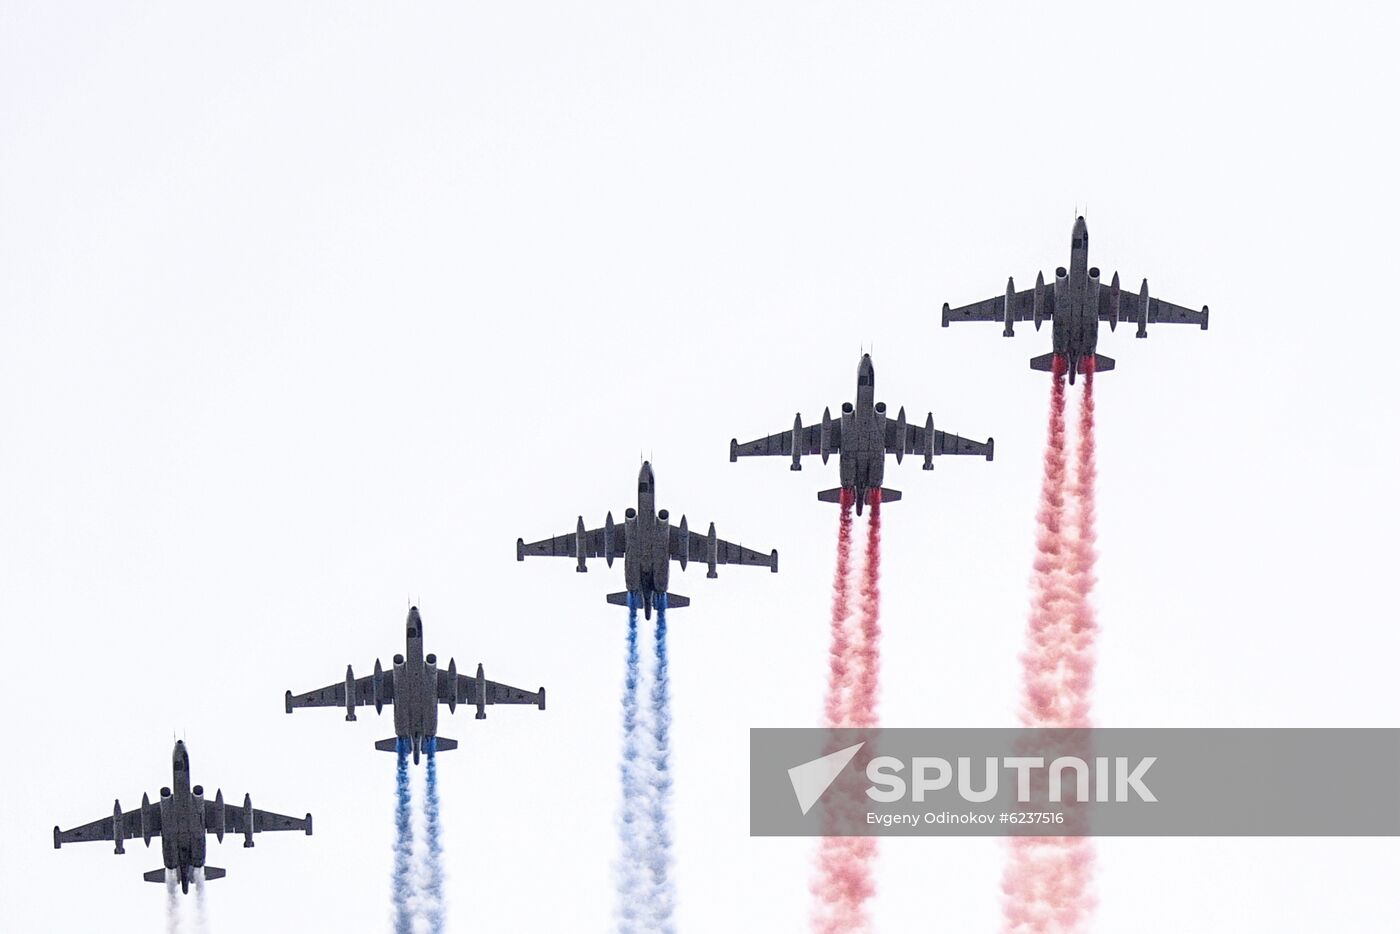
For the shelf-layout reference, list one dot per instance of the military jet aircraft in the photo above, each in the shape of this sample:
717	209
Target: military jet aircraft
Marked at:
1076	303
182	818
647	543
415	686
862	435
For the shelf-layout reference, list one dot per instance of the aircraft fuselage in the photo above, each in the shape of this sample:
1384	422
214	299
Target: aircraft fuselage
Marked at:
647	562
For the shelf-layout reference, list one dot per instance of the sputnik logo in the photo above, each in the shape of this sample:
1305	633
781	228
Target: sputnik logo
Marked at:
810	780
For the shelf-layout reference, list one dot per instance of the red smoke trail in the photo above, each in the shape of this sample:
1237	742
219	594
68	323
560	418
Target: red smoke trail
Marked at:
867	686
1047	880
844	881
841	644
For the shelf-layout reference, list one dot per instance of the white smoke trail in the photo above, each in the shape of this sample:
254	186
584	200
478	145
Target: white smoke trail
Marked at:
201	917
172	904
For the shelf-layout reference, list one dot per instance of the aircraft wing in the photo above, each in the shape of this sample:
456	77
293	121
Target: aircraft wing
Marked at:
102	829
916	437
470	691
334	695
1158	311
566	546
994	309
236	821
696	547
780	445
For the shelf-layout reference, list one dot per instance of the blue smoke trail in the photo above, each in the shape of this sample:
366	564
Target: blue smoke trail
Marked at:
630	829
403	847
430	808
659	859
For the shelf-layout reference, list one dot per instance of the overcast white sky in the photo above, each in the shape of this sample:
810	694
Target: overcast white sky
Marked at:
310	310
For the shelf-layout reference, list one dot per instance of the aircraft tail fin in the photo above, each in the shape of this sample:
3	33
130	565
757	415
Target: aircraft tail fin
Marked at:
886	496
675	601
213	872
619	598
1103	364
830	496
443	744
1045	363
388	745
157	875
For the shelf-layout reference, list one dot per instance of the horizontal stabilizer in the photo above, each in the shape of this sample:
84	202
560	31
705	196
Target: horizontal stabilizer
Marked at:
830	496
886	496
1045	363
388	745
155	875
675	601
213	872
1102	364
619	598
443	744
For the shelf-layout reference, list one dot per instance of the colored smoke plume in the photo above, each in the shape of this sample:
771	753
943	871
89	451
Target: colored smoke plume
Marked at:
1047	879
844	882
403	846
433	827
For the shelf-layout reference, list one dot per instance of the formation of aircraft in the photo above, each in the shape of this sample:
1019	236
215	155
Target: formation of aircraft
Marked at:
183	819
1075	303
647	543
415	686
862	436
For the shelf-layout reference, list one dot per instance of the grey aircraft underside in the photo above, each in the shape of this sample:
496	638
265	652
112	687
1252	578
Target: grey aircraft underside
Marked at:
182	818
862	435
415	686
647	543
1075	303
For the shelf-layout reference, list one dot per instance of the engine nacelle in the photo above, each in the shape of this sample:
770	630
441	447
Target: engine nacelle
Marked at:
581	546
1115	303
1143	300
685	543
452	680
480	691
797	442
826	434
711	552
118	828
1061	287
398	662
1038	301
377	684
608	539
632	567
901	436
661	565
1008	314
1091	298
928	442
879	408
248	828
350	698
